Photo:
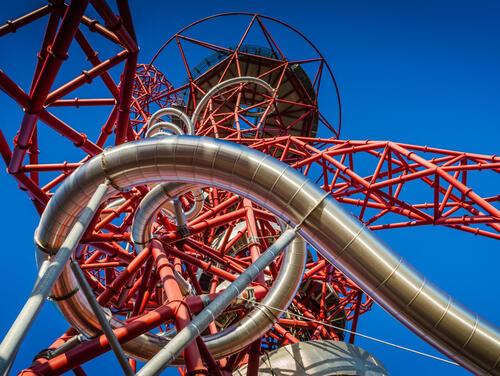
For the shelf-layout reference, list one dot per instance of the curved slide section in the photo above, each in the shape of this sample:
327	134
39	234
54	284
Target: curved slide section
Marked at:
341	239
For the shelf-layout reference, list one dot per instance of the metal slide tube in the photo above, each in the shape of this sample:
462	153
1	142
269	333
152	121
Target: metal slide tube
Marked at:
106	327
49	273
221	86
199	323
162	190
257	321
270	183
161	126
162	196
169	111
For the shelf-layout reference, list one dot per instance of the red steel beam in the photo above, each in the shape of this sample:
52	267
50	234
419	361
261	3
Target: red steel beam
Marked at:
94	347
11	26
57	54
192	354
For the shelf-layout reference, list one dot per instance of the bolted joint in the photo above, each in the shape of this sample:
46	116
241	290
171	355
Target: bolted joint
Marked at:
52	53
183	231
82	141
11	26
44	354
87	75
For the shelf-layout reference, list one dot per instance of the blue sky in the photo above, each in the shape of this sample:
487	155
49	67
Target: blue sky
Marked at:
416	72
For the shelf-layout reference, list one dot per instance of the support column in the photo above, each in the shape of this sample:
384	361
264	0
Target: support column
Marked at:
187	335
48	275
194	364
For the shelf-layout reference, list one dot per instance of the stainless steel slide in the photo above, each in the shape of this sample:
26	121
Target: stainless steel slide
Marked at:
337	236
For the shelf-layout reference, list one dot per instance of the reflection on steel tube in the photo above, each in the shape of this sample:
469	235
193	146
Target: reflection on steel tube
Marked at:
277	187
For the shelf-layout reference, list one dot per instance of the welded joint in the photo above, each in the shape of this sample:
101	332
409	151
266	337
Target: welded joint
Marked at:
308	214
253	240
65	296
41	248
144	243
268	312
200	371
109	181
180	218
11	26
62	57
183	231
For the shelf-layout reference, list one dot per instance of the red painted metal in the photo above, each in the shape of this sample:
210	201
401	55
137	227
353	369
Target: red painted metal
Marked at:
97	346
194	364
385	184
65	25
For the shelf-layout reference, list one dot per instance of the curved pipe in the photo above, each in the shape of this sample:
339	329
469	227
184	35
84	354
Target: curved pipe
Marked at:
233	338
170	111
276	186
163	125
157	194
221	86
162	196
260	319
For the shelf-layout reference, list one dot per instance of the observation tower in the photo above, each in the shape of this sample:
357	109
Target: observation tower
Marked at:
214	221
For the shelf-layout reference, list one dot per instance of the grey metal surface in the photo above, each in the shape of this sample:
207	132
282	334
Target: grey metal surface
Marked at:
158	129
50	269
161	197
103	321
199	323
224	84
336	235
318	358
257	321
172	112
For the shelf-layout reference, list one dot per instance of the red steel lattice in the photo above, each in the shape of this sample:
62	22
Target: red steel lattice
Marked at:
385	184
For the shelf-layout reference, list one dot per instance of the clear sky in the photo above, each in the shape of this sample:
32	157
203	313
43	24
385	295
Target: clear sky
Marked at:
421	72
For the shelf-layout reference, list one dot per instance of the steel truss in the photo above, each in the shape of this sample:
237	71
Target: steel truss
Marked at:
385	184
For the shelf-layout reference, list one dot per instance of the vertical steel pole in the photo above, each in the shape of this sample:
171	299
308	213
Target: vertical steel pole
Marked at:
48	276
105	326
166	355
180	217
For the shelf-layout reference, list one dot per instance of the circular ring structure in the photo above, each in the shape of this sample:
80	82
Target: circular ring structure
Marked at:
170	111
224	84
161	126
298	91
260	319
